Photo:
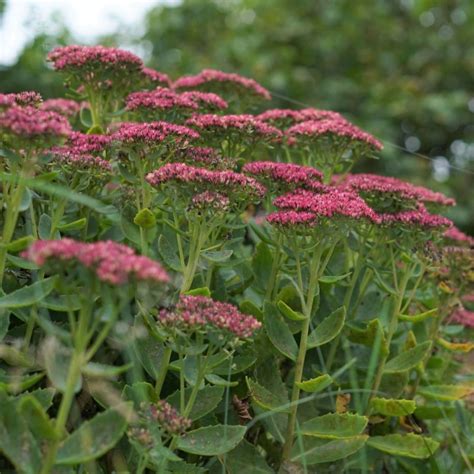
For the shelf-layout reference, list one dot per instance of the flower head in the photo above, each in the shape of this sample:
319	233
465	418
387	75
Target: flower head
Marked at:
210	201
65	107
453	234
238	187
27	98
155	78
207	101
205	157
169	418
284	176
463	316
70	158
199	313
31	127
415	218
111	262
284	118
376	188
87	143
227	83
292	219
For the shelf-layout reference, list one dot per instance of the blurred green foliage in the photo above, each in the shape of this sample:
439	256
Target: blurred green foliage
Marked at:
400	69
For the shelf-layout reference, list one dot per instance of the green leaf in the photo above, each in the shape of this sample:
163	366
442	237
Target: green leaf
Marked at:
217	256
94	369
4	323
145	219
409	359
20	244
39	423
317	453
409	445
315	385
28	295
26	199
61	303
16	441
44	227
328	329
248	307
368	335
245	458
262	264
265	398
446	392
43	395
211	440
57	360
335	425
278	332
139	392
420	317
207	400
94	437
290	313
131	231
434	412
221	382
333	278
392	407
168	253
199	292
75	225
22	263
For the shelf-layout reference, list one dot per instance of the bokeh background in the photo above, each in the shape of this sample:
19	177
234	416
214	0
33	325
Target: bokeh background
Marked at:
402	69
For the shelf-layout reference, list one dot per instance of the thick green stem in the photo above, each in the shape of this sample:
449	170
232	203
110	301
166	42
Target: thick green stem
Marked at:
274	271
303	347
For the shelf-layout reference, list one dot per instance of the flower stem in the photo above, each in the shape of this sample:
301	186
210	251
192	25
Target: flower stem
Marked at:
163	371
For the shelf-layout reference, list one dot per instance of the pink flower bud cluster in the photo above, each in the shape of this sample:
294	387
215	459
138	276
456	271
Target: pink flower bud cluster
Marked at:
169	418
69	157
210	200
27	98
206	100
228	182
419	217
245	122
160	98
113	263
201	156
30	122
74	56
156	77
336	128
200	312
288	117
65	107
292	218
209	76
332	203
78	142
454	234
463	316
130	133
288	174
372	183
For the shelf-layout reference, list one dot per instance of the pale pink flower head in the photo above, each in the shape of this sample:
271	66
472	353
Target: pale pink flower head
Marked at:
454	235
31	128
202	314
68	108
282	177
154	78
169	418
110	262
22	99
232	87
418	218
184	181
206	101
385	192
285	118
205	157
85	143
293	220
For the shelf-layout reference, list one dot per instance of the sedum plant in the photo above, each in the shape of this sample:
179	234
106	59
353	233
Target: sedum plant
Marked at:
187	287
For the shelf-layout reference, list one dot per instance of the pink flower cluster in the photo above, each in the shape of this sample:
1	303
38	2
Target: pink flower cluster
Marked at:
65	107
208	76
454	234
160	98
416	217
130	133
281	117
287	173
210	200
29	122
199	312
169	418
69	157
372	183
292	218
223	180
244	122
206	99
74	56
463	316
27	98
78	142
332	203
112	262
337	128
156	77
